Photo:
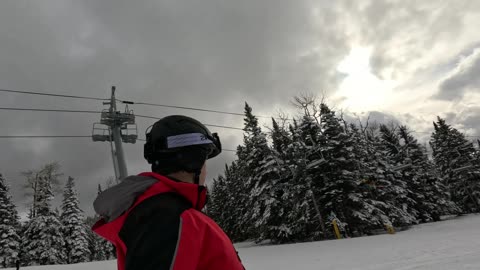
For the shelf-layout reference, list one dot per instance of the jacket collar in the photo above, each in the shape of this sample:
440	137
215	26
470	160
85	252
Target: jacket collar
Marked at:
116	200
195	194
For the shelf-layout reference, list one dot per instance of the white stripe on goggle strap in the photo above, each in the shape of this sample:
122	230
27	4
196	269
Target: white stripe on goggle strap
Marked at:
187	140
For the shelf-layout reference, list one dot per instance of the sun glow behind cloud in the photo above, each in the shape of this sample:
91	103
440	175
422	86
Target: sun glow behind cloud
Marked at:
361	90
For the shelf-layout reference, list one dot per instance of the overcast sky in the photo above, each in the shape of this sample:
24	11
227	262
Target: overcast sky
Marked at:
406	59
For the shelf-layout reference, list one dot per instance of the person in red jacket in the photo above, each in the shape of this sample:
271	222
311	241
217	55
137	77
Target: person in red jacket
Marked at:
154	219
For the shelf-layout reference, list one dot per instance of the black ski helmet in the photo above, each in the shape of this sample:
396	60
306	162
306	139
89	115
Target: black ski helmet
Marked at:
180	143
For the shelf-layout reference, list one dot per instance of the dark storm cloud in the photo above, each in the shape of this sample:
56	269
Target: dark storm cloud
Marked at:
464	77
194	52
210	54
468	121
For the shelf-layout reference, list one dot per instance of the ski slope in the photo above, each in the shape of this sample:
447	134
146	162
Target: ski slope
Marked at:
452	245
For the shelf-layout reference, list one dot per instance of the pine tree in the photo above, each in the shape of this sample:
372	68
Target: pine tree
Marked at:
9	227
381	182
276	198
477	153
401	182
261	177
309	131
74	229
341	191
303	220
269	203
97	246
431	195
42	241
217	199
307	163
49	172
239	222
291	221
236	188
454	156
223	203
250	155
280	138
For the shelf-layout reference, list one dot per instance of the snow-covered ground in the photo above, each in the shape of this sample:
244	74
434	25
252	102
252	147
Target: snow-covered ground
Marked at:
452	245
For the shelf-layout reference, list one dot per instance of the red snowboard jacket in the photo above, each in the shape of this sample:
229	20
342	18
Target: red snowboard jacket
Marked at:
155	223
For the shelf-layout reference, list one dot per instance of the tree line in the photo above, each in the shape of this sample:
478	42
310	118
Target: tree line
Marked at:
290	183
49	236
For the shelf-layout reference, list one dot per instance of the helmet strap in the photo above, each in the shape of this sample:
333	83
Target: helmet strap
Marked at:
196	180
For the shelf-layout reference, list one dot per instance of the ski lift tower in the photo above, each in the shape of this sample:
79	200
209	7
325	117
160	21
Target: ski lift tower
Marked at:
116	127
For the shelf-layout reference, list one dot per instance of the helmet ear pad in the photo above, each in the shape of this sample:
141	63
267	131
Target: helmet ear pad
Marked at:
189	159
217	146
148	149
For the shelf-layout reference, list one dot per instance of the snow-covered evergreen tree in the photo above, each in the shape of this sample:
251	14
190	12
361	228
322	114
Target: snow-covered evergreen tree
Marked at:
342	192
74	229
97	246
229	199
306	162
477	152
42	240
284	208
235	177
301	217
383	185
431	195
401	177
226	203
9	227
262	175
217	199
49	172
454	156
280	138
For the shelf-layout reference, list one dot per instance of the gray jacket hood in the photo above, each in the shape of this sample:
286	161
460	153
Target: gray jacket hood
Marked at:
114	201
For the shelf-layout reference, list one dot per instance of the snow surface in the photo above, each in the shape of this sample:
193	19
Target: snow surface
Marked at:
452	245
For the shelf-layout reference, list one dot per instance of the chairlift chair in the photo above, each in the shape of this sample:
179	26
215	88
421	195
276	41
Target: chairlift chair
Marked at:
101	133
129	133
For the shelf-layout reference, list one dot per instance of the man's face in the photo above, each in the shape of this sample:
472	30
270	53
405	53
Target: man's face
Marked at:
203	174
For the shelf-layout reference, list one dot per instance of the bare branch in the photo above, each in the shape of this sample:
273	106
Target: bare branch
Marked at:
345	124
283	118
304	102
368	122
